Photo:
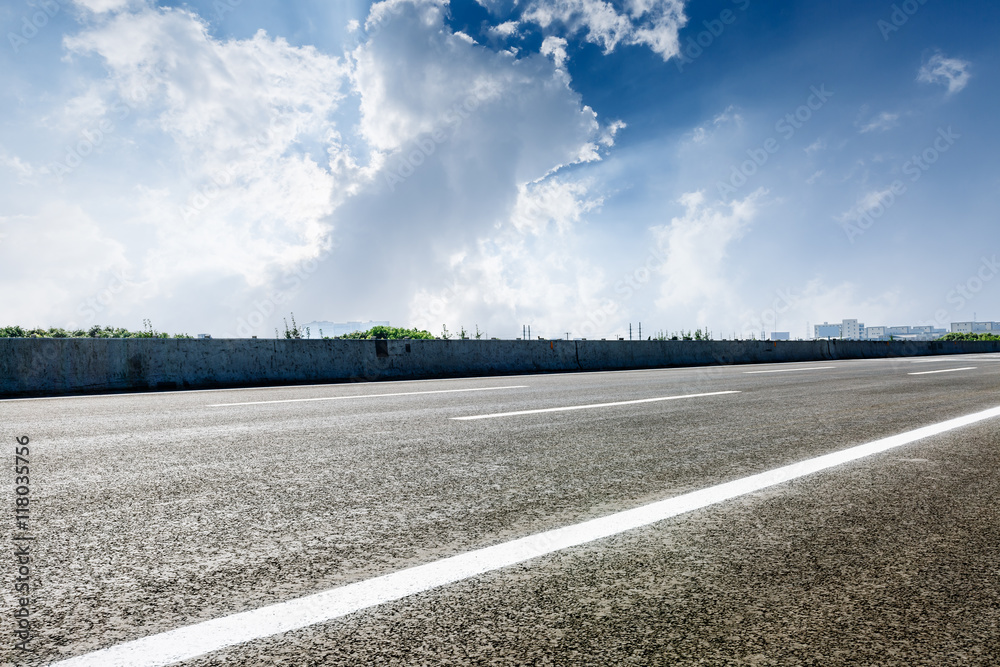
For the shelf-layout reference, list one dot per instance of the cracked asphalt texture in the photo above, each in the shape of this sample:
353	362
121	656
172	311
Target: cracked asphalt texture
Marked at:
155	511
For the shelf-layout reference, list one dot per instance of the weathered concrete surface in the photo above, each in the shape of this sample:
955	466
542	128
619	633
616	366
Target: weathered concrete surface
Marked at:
52	367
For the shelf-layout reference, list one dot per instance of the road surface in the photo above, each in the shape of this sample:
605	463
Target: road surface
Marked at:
161	511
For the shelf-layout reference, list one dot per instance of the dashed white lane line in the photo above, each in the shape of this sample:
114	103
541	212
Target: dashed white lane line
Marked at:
591	405
792	370
341	398
945	370
173	646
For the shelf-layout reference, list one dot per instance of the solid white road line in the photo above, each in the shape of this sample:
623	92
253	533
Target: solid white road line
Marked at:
592	405
341	398
945	370
792	370
188	642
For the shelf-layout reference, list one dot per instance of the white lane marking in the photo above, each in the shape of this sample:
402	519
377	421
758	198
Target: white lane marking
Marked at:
791	370
592	405
173	646
945	370
341	398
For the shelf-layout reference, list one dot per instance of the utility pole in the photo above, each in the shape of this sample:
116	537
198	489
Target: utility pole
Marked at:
640	330
567	335
529	331
630	331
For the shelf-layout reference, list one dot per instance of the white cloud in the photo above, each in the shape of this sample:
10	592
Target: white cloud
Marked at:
23	169
880	123
652	23
555	47
729	115
950	72
246	199
529	271
41	253
816	146
872	200
505	29
475	98
104	6
694	248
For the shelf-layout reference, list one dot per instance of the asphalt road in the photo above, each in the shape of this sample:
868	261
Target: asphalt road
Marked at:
158	511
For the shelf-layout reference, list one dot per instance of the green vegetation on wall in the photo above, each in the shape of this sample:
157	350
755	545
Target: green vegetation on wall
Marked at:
95	331
388	333
969	336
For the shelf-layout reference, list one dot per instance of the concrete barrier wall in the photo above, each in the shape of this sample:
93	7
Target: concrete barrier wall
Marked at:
52	367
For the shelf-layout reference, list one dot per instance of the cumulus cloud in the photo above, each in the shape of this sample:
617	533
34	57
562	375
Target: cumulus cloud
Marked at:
950	72
652	23
556	48
466	136
530	271
505	29
247	199
226	165
41	253
694	247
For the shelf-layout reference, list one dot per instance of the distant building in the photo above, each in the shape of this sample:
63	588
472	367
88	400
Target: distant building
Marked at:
826	330
780	335
876	333
975	327
851	329
854	330
925	332
333	329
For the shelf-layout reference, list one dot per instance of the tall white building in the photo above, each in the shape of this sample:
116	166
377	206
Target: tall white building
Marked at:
851	330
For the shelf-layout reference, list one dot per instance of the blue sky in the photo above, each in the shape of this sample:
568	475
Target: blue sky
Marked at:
575	165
